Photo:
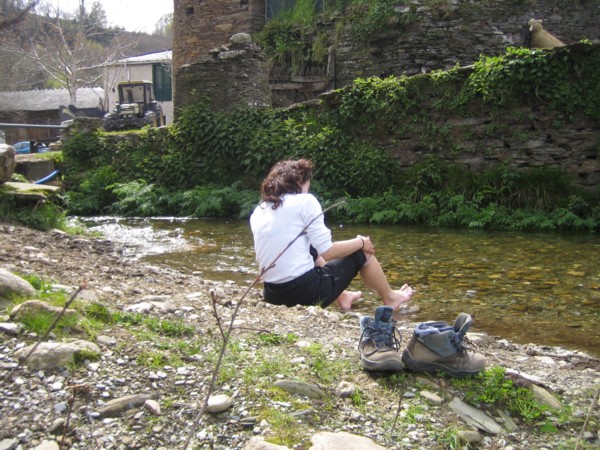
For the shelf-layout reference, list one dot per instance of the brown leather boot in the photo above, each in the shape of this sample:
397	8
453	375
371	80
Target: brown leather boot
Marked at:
379	346
439	346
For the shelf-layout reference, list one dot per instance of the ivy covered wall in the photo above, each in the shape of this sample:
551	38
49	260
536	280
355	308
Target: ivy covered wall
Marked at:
525	109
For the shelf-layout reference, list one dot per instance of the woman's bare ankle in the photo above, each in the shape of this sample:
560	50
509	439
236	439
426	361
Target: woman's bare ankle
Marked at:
346	299
397	298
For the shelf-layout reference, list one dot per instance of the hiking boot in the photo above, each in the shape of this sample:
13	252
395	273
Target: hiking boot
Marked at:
439	346
379	346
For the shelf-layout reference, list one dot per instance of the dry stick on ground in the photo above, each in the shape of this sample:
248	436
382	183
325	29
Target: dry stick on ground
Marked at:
396	417
70	404
227	335
81	287
587	418
216	313
84	389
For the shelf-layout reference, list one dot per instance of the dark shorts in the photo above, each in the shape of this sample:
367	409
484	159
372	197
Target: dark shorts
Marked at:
319	286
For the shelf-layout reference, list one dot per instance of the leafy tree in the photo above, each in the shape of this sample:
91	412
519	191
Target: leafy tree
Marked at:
164	26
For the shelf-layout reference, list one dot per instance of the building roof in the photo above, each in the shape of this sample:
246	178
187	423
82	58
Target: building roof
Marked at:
49	99
164	56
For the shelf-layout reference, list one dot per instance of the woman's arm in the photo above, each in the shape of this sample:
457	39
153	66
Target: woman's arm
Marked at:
340	249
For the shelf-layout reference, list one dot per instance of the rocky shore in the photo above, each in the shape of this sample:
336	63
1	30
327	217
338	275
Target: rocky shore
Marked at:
290	378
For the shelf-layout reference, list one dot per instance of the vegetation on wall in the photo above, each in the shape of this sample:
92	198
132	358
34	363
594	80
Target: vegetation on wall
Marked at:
368	19
557	79
296	38
211	164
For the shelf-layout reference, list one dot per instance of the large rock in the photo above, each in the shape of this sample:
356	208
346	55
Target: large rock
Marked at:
309	390
545	397
11	284
52	355
259	443
475	417
37	306
342	441
7	162
118	406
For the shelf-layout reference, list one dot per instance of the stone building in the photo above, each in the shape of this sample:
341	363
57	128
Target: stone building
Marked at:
424	36
202	25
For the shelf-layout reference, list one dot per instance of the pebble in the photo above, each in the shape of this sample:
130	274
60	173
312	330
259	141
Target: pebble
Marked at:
346	389
431	397
106	340
153	407
218	403
60	407
469	436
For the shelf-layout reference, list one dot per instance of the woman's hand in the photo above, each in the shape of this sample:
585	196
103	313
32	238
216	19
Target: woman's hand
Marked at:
367	246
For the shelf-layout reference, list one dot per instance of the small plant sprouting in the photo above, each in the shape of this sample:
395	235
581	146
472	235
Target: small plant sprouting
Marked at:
84	356
277	339
39	322
493	388
156	360
99	312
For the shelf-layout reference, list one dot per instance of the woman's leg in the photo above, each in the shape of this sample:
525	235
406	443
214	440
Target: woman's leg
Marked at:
373	276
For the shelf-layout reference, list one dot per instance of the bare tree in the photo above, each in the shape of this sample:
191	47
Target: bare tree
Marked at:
70	49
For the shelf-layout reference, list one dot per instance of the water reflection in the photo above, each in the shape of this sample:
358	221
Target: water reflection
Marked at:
540	287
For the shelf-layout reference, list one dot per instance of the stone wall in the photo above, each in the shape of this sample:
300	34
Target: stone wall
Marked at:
424	36
201	25
528	137
234	75
482	136
437	36
458	33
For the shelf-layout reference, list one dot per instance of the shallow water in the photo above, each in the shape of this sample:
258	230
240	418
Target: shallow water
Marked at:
542	288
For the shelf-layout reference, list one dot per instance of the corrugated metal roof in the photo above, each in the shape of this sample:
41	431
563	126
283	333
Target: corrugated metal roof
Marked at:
165	56
48	99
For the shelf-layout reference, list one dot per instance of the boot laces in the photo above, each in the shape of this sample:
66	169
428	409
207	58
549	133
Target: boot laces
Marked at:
384	340
458	343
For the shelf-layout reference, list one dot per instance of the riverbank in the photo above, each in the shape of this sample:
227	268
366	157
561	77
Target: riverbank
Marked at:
166	341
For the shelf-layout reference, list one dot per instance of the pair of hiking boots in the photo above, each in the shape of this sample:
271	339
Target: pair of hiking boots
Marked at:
434	346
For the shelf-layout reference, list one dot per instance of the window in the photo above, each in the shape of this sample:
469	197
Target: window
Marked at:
161	77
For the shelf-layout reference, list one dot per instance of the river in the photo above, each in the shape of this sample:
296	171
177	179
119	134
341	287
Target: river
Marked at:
542	288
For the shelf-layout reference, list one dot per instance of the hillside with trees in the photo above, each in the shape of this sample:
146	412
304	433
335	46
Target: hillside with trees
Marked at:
44	47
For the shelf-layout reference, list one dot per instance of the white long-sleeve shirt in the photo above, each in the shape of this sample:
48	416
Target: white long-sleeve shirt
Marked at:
273	230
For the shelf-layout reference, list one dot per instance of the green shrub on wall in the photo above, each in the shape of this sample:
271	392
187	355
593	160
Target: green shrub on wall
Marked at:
566	79
211	163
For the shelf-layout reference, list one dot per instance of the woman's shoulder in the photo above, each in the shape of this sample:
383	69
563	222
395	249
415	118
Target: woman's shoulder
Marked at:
301	199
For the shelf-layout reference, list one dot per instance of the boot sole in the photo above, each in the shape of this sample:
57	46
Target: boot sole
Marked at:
417	366
382	366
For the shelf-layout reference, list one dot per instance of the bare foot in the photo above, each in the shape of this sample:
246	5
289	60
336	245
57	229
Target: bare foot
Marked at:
399	297
346	299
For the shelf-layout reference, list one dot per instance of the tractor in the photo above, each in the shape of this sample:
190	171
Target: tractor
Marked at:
136	107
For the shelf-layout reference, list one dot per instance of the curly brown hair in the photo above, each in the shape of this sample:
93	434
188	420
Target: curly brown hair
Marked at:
285	177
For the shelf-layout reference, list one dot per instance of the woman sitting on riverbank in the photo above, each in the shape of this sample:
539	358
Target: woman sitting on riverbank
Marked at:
286	212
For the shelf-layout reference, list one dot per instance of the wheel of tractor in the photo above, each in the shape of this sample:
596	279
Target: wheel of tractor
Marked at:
110	123
151	118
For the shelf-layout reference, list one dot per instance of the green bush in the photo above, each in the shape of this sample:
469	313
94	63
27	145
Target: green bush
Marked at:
211	163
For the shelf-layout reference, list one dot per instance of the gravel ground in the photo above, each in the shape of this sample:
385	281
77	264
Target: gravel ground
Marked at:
164	342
